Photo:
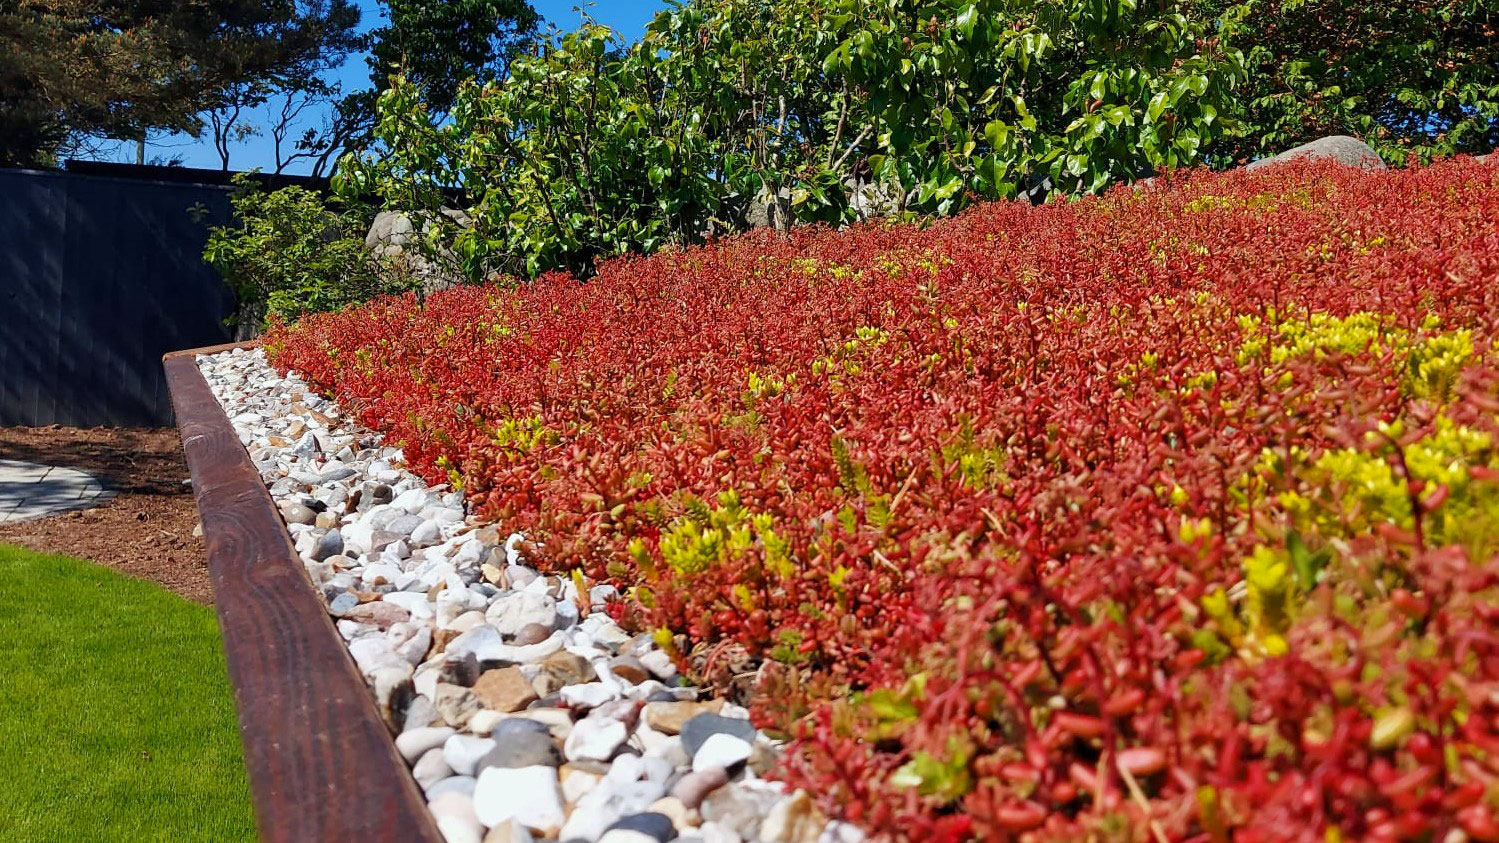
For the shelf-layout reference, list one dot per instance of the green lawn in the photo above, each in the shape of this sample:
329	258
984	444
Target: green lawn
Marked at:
116	718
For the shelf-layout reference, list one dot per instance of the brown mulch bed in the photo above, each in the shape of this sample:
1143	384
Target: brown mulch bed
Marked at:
145	531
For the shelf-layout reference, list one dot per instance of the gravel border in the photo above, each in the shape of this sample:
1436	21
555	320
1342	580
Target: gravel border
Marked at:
524	711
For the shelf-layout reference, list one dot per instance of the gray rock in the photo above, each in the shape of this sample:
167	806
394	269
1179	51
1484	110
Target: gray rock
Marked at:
1341	148
404	525
512	726
695	732
373	494
298	514
335	475
342	603
653	825
330	544
420	714
522	748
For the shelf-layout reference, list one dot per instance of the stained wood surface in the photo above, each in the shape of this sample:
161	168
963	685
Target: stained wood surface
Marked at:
322	765
98	278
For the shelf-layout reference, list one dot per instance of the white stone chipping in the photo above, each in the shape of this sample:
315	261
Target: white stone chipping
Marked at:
476	660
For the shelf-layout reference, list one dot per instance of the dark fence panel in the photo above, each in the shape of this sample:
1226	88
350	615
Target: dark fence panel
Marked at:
99	277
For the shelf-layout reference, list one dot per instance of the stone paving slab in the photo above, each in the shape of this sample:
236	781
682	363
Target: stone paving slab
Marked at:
29	490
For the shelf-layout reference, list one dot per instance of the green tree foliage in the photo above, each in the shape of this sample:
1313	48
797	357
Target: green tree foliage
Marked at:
121	68
1410	77
592	148
295	254
437	47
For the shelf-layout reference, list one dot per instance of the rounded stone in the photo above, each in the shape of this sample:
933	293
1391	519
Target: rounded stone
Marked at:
330	543
298	514
694	787
521	748
532	633
697	731
650	823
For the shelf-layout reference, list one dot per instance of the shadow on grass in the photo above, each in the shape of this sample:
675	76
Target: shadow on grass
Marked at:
116	717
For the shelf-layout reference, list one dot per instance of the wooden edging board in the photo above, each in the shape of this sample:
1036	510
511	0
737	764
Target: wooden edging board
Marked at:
322	765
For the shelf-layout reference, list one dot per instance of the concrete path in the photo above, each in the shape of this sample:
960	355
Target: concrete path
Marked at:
28	490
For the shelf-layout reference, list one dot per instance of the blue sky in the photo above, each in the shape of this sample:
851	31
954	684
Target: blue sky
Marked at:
627	17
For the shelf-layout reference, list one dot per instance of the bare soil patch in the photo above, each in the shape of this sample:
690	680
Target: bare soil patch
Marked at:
146	530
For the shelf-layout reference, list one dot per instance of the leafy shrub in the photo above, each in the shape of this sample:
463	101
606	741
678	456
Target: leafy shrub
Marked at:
592	148
1170	514
293	254
1412	77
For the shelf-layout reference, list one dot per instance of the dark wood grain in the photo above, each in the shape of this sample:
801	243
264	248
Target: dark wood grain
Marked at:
98	278
322	765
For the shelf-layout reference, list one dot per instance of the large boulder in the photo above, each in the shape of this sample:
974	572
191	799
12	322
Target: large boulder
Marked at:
769	210
392	238
390	228
1341	148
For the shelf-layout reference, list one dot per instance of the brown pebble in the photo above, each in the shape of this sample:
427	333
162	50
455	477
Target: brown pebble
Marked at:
668	717
441	639
629	669
379	613
571	668
504	689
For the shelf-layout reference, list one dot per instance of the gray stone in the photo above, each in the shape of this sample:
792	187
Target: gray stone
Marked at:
335	475
459	669
298	514
654	825
330	544
1341	148
522	748
404	524
695	732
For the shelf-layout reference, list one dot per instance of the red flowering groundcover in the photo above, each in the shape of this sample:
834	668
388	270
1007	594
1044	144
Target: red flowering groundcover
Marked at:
1167	515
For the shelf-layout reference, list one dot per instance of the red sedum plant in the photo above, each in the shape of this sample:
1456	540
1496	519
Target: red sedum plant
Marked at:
1171	514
